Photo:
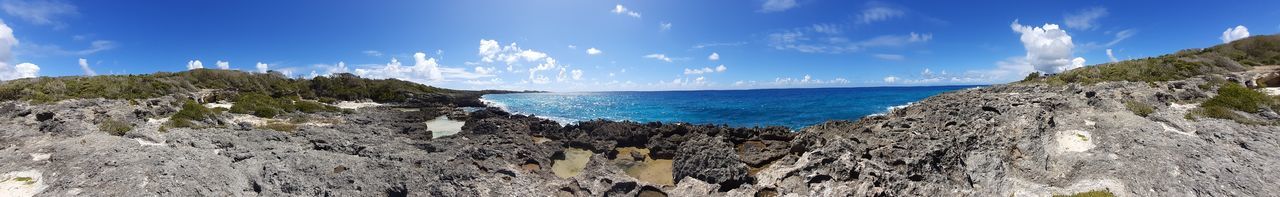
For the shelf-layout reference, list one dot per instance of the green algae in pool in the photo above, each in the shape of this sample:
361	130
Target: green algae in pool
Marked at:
574	161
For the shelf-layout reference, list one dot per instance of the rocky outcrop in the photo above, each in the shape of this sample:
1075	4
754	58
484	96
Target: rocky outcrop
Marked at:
1029	139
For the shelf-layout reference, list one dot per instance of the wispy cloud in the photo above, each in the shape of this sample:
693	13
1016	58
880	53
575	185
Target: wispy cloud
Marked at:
658	56
40	12
40	50
619	9
594	51
876	12
777	5
809	40
374	53
717	44
664	26
1086	19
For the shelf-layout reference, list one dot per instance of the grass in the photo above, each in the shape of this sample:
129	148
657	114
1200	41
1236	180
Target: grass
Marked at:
115	127
23	179
191	111
1094	193
1082	137
1138	108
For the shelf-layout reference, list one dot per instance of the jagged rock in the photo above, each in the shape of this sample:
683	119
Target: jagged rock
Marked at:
712	160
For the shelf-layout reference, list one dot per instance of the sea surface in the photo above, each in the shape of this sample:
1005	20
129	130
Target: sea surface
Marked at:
794	108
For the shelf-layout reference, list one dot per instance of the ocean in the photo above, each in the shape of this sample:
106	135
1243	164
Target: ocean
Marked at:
794	108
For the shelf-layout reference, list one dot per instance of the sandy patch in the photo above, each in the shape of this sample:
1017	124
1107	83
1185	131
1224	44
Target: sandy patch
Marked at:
148	143
442	126
575	160
1271	91
218	104
1074	141
356	105
1173	129
40	156
21	183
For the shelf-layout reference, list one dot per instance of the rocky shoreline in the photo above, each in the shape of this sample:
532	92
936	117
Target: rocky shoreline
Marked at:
1022	139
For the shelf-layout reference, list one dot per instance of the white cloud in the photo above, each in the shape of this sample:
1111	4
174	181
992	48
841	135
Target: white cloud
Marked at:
878	12
658	56
777	5
374	53
262	68
573	46
40	12
224	65
619	9
84	66
577	74
485	70
1233	34
714	56
594	51
424	70
705	70
194	64
1112	56
1049	49
490	51
664	26
1085	19
894	57
890	79
7	42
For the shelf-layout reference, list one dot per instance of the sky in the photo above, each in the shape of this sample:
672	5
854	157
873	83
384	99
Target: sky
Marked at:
613	45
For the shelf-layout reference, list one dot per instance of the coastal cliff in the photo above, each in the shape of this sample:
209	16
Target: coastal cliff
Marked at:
1066	134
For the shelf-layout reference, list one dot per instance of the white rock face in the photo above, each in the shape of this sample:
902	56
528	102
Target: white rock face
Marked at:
1074	141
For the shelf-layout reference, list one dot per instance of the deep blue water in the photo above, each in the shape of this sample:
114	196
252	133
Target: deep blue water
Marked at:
794	108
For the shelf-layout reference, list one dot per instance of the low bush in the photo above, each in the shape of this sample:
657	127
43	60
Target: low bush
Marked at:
261	105
1139	108
280	126
115	127
191	111
1237	97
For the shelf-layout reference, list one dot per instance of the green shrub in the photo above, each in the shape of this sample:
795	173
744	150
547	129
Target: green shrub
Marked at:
1139	108
1237	97
115	127
191	111
261	105
1031	77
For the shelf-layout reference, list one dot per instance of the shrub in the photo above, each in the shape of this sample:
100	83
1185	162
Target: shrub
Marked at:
1237	97
1031	77
261	105
115	127
1139	108
191	111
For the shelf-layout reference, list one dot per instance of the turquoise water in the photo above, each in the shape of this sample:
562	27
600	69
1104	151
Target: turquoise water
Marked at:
794	108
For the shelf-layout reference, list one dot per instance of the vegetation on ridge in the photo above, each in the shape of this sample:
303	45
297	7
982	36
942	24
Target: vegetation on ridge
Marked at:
1234	97
337	87
1236	56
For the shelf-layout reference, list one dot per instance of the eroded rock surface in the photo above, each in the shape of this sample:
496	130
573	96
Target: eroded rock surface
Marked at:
1017	139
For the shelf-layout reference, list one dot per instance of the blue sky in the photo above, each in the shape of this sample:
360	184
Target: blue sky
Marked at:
597	45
